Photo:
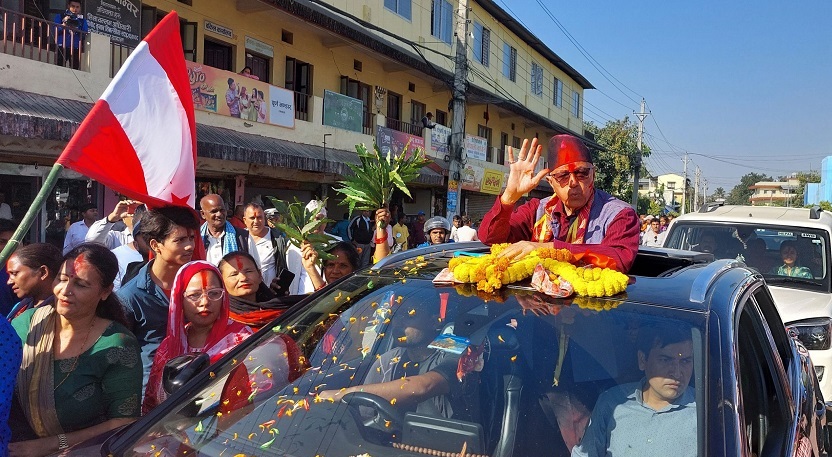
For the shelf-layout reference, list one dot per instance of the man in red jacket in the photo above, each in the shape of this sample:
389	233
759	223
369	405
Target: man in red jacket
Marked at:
577	217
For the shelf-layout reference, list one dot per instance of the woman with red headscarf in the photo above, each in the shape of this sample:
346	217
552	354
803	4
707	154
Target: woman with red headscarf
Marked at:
198	321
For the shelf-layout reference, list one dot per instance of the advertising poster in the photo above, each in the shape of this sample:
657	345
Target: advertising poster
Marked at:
453	193
388	139
492	181
476	147
227	93
472	175
343	112
118	19
439	138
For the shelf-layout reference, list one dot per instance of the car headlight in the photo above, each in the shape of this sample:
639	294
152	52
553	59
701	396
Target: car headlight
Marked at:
815	334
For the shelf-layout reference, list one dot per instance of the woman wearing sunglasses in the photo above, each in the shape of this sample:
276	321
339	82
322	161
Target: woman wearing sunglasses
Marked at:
198	321
578	217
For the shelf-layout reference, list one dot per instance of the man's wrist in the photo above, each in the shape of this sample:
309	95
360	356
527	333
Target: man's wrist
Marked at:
111	221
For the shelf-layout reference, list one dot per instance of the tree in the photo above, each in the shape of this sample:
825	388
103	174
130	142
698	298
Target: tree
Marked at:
741	193
719	193
614	164
803	178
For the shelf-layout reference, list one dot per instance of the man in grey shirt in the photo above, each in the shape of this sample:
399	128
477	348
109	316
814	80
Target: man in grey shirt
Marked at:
655	416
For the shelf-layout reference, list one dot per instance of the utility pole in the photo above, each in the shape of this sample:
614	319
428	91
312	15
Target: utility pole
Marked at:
637	163
458	123
685	185
695	205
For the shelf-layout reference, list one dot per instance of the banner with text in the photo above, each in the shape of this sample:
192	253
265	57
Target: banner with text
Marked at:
475	147
439	140
485	177
118	19
343	112
242	97
389	139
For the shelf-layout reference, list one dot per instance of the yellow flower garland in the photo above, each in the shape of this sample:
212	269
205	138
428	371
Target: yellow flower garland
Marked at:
489	272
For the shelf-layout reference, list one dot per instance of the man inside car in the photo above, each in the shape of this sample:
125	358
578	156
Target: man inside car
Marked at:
652	417
412	375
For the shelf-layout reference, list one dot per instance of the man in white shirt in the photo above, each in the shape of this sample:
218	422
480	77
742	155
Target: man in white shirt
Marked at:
653	236
218	235
101	231
264	244
302	284
466	233
77	232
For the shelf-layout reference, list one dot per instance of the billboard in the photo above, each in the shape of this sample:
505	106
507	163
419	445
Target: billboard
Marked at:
343	112
118	19
485	177
388	139
439	140
475	147
227	93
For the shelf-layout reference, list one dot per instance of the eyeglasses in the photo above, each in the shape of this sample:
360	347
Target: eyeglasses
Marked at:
562	178
212	294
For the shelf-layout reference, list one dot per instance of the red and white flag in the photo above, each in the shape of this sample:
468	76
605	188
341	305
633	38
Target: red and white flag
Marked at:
139	139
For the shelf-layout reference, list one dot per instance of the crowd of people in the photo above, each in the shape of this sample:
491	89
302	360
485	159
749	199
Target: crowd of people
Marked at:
98	322
654	229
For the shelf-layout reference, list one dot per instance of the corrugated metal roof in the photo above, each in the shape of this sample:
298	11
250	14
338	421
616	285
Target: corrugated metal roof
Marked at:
29	115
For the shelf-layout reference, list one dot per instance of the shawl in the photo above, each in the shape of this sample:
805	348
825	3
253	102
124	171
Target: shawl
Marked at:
543	232
36	377
256	314
223	337
229	240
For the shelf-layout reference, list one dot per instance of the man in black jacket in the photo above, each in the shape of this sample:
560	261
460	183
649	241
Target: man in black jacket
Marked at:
267	247
361	234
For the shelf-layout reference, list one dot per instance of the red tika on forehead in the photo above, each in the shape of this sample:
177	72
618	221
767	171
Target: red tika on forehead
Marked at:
204	275
239	260
80	263
567	149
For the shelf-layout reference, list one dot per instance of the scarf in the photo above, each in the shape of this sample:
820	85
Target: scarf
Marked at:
266	308
229	243
543	230
223	337
36	377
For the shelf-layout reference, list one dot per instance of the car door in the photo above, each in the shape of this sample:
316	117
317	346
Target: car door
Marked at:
765	403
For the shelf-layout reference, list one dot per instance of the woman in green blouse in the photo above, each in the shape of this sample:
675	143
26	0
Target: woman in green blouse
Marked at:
81	375
788	252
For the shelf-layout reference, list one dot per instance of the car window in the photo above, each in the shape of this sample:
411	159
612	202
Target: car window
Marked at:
764	410
786	255
421	370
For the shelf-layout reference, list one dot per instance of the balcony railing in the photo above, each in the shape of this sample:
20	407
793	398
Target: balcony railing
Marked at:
38	39
395	124
369	123
303	106
118	55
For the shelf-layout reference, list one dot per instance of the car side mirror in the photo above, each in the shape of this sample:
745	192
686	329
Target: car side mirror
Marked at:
179	370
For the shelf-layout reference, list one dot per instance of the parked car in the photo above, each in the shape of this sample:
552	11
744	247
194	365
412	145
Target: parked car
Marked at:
755	234
511	373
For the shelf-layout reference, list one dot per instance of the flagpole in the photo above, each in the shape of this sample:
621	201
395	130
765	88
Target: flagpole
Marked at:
33	211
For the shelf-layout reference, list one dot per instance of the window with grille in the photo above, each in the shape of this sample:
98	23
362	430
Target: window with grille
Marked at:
536	79
482	43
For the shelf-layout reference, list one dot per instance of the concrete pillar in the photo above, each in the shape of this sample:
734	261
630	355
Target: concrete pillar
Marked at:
97	58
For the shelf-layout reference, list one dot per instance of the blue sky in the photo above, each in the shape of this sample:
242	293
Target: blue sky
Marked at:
745	82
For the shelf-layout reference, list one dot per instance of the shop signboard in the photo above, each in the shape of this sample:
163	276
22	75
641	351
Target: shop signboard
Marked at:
388	139
227	93
343	112
118	19
475	147
481	176
439	140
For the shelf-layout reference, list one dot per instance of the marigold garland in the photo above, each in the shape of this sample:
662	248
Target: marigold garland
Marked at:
489	272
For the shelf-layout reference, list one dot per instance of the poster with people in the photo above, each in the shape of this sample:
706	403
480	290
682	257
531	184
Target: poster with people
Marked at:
231	94
394	140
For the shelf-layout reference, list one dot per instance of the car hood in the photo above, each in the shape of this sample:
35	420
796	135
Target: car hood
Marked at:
796	305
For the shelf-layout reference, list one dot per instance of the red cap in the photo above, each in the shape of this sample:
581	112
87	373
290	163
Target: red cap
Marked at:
566	149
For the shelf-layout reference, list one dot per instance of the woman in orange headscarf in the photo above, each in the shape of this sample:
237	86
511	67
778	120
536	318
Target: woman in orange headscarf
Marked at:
198	321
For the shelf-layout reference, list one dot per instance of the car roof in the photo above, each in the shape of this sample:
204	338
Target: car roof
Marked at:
773	215
685	287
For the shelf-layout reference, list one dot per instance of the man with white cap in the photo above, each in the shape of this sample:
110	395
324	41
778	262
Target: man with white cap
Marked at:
577	217
302	284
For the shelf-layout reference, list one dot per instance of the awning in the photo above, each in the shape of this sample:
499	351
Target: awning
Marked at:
35	116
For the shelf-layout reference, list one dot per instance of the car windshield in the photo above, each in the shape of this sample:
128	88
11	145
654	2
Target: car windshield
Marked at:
393	365
785	255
